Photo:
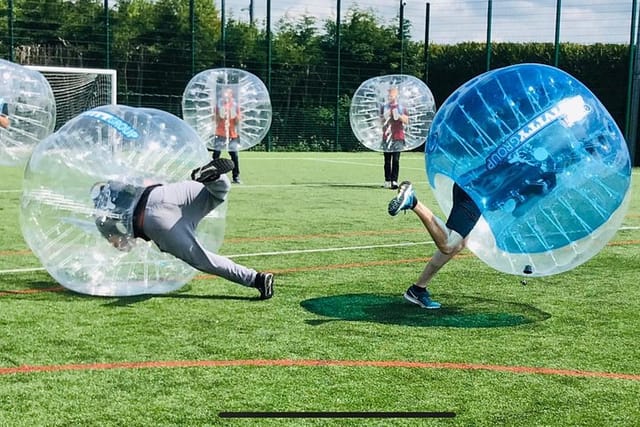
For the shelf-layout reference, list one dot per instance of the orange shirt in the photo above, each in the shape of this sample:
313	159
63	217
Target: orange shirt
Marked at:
226	125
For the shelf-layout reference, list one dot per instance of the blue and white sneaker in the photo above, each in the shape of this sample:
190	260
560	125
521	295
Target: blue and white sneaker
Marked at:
421	298
406	199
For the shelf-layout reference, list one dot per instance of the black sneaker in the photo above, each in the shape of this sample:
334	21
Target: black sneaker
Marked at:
212	170
264	283
421	297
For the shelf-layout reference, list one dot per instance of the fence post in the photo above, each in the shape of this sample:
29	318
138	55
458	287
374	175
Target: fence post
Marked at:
192	27
633	86
269	63
338	65
556	54
403	3
489	19
223	34
426	42
10	25
107	35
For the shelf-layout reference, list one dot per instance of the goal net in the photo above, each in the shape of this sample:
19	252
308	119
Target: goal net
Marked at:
79	89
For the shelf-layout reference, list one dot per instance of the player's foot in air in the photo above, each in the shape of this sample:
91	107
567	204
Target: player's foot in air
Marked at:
264	284
212	170
405	199
420	296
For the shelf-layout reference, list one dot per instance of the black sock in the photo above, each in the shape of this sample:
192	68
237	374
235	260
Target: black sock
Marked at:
418	289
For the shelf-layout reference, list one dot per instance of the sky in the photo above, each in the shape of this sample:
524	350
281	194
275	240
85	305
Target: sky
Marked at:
454	21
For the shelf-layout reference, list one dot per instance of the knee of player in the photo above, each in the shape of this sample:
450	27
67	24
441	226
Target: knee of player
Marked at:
454	243
220	187
448	250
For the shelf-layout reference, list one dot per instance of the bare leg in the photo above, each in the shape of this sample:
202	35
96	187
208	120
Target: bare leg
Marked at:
449	243
437	261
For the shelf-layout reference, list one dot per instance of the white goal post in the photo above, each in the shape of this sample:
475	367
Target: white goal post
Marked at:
79	89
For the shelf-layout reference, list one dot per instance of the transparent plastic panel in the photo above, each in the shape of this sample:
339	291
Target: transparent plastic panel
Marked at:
392	113
135	146
541	157
229	108
28	100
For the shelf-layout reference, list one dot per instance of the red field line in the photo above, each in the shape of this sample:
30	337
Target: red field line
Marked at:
275	271
16	252
31	291
624	243
532	370
339	266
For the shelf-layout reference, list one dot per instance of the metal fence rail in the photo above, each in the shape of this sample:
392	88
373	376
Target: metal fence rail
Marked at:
312	55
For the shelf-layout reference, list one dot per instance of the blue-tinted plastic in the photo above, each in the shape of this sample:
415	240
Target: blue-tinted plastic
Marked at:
537	152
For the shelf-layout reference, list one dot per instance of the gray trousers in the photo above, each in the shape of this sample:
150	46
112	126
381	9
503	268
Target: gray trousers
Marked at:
171	216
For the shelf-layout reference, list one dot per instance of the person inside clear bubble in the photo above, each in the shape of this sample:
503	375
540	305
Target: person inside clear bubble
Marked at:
168	215
5	122
227	119
394	117
450	237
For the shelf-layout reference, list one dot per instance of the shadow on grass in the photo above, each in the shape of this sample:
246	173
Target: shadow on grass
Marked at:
127	301
336	185
124	301
461	312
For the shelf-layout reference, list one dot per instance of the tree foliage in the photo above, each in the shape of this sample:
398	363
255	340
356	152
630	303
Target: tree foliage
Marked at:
316	65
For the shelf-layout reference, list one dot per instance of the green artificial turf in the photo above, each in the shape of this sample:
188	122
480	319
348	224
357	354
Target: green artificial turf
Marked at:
337	336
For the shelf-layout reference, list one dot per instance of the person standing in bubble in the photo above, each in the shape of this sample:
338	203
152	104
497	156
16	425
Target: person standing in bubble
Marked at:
227	118
450	237
5	122
168	215
394	117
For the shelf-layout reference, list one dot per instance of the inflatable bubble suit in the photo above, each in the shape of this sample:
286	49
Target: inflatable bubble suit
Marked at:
136	146
544	161
28	100
230	109
377	108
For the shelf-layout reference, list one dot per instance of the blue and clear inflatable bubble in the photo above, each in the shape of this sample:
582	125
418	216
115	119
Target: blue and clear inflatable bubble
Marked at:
392	113
61	187
27	102
542	158
229	108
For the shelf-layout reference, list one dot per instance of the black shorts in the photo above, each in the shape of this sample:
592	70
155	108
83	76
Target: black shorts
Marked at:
464	213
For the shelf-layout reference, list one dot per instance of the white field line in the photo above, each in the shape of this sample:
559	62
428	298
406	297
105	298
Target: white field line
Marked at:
337	184
276	253
297	251
349	162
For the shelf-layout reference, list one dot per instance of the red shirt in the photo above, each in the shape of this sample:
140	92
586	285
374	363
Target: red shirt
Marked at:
393	129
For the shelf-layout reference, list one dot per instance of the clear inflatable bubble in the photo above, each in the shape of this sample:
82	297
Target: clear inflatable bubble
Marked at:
544	161
230	109
61	201
27	112
392	113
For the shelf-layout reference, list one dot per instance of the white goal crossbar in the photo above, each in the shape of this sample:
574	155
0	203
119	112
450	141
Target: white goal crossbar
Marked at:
79	89
114	79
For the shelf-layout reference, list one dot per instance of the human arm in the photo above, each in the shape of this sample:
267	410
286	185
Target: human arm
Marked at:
4	115
403	115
